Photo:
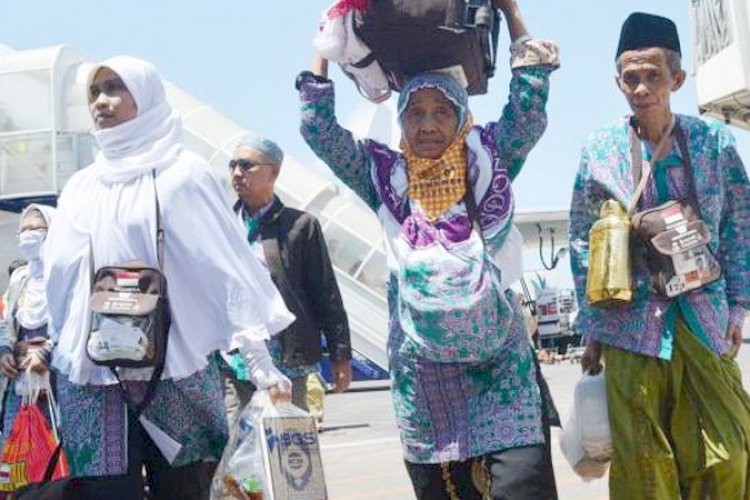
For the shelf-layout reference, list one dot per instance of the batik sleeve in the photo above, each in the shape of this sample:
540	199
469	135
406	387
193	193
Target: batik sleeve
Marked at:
524	117
734	229
332	143
582	217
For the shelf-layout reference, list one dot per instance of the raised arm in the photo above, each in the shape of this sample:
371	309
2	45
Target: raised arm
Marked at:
516	26
524	117
331	142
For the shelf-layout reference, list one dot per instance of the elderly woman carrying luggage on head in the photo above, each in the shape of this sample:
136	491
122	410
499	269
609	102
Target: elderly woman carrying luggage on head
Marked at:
473	412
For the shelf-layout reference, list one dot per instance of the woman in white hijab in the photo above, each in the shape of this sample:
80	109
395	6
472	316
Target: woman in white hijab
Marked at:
24	342
220	297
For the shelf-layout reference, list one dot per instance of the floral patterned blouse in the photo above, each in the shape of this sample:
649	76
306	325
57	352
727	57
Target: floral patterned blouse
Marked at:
449	411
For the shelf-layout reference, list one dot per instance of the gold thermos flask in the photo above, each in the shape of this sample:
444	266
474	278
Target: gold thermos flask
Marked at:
609	281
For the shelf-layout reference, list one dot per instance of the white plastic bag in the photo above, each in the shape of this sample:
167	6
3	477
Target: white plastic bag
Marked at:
361	67
250	468
241	471
337	42
330	40
586	440
36	384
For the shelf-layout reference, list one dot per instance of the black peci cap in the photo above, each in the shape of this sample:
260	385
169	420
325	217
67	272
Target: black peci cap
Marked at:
640	31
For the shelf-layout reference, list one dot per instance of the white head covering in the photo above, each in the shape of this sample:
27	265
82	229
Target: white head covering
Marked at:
220	297
151	140
266	146
32	309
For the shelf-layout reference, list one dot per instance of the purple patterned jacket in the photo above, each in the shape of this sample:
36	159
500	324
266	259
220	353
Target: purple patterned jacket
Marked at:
723	193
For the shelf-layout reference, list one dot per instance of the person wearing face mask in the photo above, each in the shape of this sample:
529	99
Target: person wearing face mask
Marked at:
24	342
220	298
472	409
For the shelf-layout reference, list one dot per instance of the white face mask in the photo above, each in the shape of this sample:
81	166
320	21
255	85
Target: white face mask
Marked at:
30	242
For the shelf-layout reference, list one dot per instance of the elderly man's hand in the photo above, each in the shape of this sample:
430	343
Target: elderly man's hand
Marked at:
591	360
734	336
341	374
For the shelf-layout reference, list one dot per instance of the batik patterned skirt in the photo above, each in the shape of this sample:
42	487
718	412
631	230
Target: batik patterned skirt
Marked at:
94	420
455	411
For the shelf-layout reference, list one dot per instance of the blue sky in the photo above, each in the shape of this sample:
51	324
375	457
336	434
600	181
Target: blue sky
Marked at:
242	58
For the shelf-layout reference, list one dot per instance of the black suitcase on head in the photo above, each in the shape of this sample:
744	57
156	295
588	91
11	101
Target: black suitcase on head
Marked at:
408	37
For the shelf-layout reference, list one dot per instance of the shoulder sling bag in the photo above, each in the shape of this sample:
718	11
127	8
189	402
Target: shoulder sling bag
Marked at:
677	240
130	316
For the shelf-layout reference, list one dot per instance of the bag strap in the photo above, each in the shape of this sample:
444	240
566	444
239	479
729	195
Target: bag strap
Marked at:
138	408
471	207
153	382
688	164
159	238
159	227
158	369
642	169
53	461
54	414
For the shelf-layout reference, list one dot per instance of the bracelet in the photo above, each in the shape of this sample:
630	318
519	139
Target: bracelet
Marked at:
518	44
309	75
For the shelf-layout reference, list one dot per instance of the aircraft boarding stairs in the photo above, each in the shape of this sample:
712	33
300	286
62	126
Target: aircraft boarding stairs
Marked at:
44	139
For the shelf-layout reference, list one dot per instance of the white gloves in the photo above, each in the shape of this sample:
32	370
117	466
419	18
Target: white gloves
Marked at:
263	373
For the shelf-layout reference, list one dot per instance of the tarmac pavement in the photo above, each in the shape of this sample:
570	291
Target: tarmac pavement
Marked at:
362	455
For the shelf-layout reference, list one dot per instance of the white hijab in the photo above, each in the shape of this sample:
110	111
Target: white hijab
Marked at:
32	312
151	140
219	294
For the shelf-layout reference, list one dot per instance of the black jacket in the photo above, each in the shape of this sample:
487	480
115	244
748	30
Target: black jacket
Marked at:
298	260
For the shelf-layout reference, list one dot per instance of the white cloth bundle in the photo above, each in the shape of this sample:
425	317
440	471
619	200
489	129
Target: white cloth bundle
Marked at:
337	42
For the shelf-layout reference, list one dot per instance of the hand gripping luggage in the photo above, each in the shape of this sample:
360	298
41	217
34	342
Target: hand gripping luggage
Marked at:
408	37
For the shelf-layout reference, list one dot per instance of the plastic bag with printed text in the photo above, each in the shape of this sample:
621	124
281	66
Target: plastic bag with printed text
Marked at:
273	454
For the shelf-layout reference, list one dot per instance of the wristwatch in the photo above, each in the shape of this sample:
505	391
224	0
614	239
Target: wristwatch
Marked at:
309	75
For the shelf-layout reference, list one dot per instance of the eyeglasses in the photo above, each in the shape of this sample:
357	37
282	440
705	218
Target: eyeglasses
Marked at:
245	165
107	87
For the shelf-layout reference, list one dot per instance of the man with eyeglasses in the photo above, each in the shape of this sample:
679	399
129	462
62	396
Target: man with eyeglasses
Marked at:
290	244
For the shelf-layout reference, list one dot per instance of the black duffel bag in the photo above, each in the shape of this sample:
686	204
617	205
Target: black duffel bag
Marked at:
408	37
